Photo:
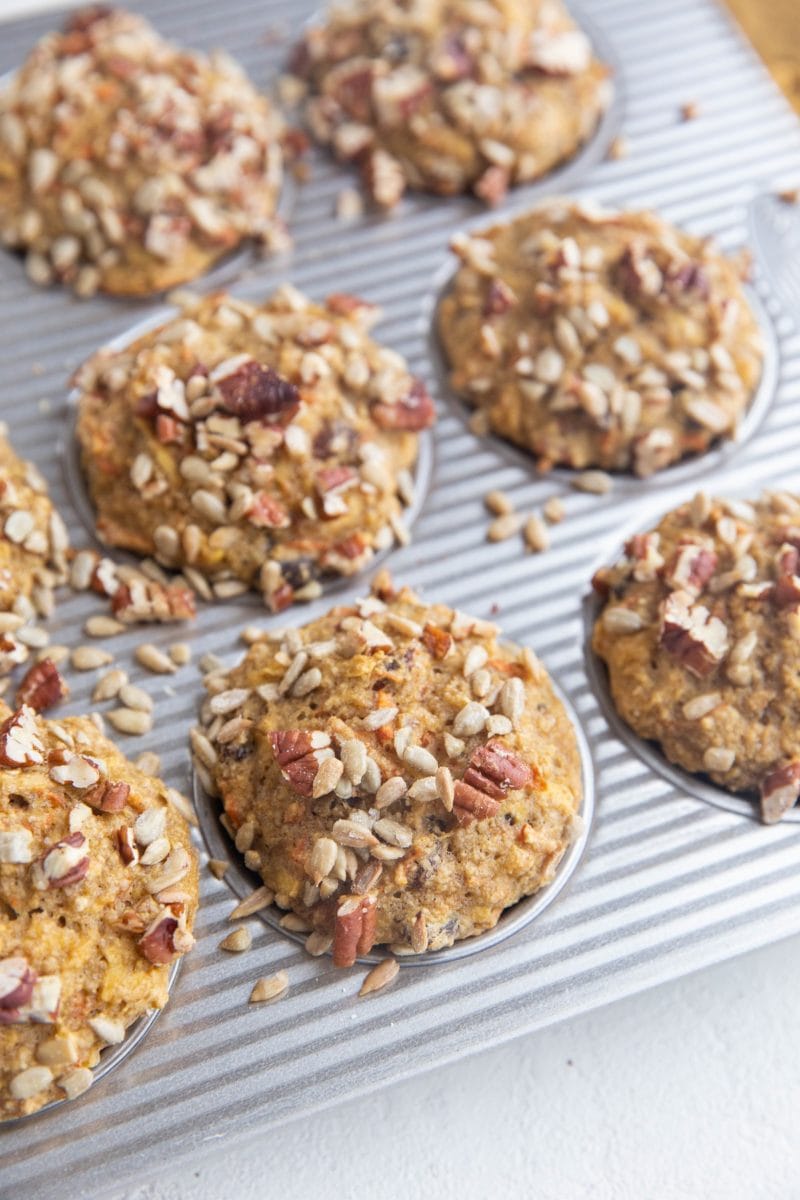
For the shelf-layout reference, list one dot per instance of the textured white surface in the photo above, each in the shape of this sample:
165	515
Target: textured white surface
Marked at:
686	1091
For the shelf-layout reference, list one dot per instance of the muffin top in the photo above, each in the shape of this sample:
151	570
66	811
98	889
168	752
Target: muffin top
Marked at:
450	95
98	891
268	446
33	553
600	339
699	632
393	772
129	165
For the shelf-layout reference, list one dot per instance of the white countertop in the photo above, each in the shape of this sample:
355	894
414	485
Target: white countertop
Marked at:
685	1092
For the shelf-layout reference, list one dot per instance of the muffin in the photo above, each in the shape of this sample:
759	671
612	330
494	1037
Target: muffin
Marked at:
600	339
699	629
261	447
33	549
393	772
128	165
98	885
450	96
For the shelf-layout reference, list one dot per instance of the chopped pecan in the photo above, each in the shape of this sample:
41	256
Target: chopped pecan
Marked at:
643	549
42	686
107	797
169	430
146	600
63	864
267	513
299	755
354	929
787	591
691	635
415	412
20	745
438	641
493	185
17	978
499	299
383	178
470	805
126	844
334	479
290	744
344	304
164	940
494	769
684	277
252	391
639	275
690	568
779	792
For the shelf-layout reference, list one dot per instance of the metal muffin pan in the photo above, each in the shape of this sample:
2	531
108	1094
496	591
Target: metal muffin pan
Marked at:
242	882
668	884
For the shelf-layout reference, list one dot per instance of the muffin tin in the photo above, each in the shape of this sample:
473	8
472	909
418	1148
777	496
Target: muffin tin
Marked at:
668	883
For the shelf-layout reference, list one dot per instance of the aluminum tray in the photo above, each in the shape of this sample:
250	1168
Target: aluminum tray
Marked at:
669	883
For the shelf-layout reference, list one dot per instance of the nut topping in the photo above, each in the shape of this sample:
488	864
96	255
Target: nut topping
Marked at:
42	686
354	929
691	635
779	792
20	745
164	940
61	865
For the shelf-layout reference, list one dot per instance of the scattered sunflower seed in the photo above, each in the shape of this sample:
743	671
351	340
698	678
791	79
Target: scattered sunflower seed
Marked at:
237	940
379	977
260	898
269	988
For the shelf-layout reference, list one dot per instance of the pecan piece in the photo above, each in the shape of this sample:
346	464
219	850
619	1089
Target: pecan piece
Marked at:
107	797
150	601
470	805
779	792
42	686
438	641
164	939
642	548
690	568
494	770
415	412
17	978
691	635
20	745
354	929
299	755
63	864
267	513
499	299
291	744
252	391
126	844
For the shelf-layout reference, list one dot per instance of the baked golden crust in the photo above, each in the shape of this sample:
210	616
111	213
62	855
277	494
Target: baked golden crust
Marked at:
269	445
98	892
699	632
451	96
129	165
600	339
394	773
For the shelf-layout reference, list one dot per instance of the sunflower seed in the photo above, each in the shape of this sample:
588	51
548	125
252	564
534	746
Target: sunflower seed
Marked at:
89	658
102	626
260	898
108	685
269	988
379	977
130	720
237	940
155	660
